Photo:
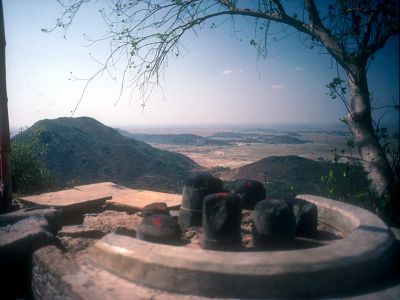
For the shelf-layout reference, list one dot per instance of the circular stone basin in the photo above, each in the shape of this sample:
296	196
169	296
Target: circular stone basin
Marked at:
361	257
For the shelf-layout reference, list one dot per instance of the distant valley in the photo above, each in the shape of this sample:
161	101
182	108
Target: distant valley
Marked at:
217	139
174	139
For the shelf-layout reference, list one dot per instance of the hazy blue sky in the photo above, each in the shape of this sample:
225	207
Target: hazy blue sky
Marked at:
218	80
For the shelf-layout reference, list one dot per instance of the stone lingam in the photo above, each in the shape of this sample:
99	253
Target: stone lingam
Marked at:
160	265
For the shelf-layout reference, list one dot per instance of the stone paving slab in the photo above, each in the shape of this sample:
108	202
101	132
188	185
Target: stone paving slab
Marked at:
134	200
98	192
118	196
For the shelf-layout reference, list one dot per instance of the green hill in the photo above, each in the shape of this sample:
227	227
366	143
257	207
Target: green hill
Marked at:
83	150
284	176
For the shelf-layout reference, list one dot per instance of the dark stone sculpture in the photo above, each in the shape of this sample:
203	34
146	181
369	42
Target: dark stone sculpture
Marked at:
250	192
221	221
306	214
195	189
273	222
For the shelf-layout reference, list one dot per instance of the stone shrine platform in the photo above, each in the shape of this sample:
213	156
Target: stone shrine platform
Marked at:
97	256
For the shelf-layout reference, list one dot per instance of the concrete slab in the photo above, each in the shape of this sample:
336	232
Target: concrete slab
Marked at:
134	200
91	193
118	196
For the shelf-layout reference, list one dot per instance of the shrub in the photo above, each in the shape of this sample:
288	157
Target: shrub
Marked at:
29	173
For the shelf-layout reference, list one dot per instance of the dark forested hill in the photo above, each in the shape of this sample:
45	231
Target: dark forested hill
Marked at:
83	150
284	176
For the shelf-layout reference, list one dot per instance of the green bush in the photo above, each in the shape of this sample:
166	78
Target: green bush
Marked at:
29	173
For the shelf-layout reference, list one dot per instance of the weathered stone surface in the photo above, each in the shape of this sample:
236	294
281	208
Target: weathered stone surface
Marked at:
132	201
309	273
159	229
174	213
193	237
195	189
313	273
57	277
77	238
49	267
74	245
17	243
306	214
396	233
155	208
52	216
250	192
92	198
273	222
80	231
112	221
91	193
24	236
221	221
77	201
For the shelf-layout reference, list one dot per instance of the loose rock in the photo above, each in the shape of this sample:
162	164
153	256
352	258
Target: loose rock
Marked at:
24	236
155	208
221	221
17	244
159	229
52	216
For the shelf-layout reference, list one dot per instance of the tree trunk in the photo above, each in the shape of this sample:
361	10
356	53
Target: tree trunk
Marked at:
5	147
359	121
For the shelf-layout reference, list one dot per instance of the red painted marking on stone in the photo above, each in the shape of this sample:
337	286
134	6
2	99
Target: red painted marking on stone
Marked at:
157	221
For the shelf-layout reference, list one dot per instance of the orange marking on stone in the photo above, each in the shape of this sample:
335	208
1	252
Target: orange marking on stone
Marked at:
157	221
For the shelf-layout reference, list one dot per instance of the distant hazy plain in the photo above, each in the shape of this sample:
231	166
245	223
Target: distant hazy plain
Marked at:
324	138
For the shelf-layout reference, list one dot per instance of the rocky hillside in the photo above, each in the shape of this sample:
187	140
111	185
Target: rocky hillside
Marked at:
83	150
284	176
